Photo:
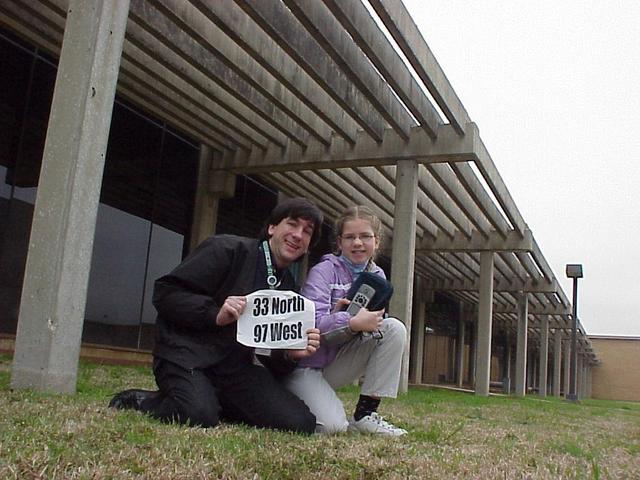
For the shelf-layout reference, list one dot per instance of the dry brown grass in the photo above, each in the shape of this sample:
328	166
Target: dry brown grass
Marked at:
452	435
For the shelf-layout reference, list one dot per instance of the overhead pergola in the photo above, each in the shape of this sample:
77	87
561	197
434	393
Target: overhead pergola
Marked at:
316	97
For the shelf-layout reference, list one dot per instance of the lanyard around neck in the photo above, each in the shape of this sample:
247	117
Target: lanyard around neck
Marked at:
272	280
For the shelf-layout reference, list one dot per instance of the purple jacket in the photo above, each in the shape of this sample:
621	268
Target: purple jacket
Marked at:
328	281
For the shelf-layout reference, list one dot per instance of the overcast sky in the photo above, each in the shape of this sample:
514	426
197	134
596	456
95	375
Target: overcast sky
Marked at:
554	87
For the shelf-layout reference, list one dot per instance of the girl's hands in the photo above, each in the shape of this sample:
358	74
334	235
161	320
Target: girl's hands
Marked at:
313	342
366	321
341	304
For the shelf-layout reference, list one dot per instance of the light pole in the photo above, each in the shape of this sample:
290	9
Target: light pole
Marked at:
574	271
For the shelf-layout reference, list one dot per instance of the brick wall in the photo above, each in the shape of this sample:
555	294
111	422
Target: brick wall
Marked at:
618	376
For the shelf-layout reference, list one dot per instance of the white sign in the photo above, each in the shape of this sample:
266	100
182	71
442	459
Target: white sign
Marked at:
276	319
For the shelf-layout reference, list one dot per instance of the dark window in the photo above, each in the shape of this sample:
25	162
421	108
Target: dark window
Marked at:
145	207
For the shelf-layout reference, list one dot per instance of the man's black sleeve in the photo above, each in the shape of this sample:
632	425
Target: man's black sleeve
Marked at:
187	295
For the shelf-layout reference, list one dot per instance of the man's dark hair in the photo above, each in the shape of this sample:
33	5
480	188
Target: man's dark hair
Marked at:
297	207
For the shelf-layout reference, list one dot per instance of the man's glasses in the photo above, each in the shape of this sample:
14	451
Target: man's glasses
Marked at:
364	237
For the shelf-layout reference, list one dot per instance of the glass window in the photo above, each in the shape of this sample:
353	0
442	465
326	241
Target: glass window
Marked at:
114	297
145	213
25	97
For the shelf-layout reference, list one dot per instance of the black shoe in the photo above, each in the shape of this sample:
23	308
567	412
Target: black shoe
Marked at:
131	399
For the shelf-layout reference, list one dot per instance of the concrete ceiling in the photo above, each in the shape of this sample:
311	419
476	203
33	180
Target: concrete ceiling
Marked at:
314	97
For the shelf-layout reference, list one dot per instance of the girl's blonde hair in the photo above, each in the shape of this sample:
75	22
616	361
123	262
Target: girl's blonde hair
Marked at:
357	212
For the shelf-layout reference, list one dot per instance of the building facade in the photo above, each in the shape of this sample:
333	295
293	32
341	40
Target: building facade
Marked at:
216	112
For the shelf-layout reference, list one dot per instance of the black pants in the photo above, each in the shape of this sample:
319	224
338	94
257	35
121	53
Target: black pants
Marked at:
235	390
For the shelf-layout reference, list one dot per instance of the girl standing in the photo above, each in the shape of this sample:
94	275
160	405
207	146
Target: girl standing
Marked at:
373	345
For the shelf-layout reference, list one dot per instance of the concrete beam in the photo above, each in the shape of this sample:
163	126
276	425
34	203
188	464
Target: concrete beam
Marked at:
183	96
57	270
366	33
479	242
41	24
451	268
166	31
332	206
339	46
536	310
436	194
199	26
405	32
528	264
334	185
145	92
449	147
246	34
281	25
428	214
430	269
447	178
512	264
472	185
503	285
184	121
499	188
546	270
428	218
171	63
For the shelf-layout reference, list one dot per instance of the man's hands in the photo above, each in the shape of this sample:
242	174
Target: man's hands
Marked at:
231	309
366	321
313	342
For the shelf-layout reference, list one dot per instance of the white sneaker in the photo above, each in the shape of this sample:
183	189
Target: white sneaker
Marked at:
375	424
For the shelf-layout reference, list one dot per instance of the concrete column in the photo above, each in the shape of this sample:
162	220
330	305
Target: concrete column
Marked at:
521	345
485	312
506	377
205	210
567	366
57	270
403	252
417	333
531	369
589	380
451	360
211	187
557	361
460	348
533	363
512	367
473	354
544	355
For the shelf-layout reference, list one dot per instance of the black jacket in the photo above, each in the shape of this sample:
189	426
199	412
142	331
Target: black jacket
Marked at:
188	299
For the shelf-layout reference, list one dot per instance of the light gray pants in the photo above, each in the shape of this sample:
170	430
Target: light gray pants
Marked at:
379	361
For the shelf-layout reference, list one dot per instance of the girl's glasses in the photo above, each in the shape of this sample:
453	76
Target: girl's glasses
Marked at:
364	237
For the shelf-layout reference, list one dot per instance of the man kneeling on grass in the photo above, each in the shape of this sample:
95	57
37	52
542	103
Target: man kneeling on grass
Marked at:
203	373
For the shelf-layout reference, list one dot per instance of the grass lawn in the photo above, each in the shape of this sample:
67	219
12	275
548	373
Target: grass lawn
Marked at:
451	435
